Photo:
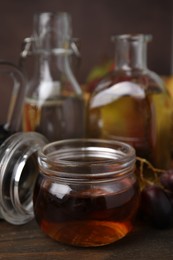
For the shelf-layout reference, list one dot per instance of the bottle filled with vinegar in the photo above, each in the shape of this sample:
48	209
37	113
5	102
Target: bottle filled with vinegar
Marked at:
132	105
54	104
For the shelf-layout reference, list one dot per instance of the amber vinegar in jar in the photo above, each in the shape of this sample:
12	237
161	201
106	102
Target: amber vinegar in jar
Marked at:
86	193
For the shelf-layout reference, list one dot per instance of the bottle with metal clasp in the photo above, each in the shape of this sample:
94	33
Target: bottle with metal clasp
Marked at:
54	104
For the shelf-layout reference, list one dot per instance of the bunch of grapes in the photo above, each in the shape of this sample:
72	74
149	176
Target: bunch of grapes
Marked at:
156	206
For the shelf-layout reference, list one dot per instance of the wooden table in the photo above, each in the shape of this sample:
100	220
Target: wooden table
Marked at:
28	242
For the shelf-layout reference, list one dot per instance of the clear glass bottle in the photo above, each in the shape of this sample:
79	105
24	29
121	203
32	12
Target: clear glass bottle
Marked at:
132	105
54	103
86	193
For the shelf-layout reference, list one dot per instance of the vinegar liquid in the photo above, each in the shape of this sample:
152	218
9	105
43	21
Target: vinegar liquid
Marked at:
88	217
57	119
145	123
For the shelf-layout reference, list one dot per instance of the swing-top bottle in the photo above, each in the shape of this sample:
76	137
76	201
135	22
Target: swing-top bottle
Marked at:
54	104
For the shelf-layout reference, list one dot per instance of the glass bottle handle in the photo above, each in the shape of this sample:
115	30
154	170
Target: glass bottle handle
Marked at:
13	121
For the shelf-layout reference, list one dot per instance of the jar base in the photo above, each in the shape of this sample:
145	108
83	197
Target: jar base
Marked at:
87	233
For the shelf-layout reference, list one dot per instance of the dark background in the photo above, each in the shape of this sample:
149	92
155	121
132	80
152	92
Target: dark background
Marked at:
94	21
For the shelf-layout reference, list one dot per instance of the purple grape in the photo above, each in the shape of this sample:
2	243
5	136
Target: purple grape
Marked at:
166	179
170	196
156	207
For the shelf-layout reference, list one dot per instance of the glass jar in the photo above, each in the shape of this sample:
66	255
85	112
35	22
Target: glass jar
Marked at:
132	104
86	193
18	173
54	103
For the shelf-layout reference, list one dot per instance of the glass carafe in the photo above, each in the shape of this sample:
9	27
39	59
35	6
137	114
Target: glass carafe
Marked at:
54	103
12	89
132	105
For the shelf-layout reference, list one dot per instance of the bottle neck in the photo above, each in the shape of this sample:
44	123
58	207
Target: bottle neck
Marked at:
131	52
52	37
43	69
54	68
50	66
52	44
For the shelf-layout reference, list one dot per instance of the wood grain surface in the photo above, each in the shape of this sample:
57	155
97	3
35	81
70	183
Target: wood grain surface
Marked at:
28	242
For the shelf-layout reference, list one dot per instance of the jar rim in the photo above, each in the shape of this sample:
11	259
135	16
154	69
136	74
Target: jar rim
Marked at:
113	157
